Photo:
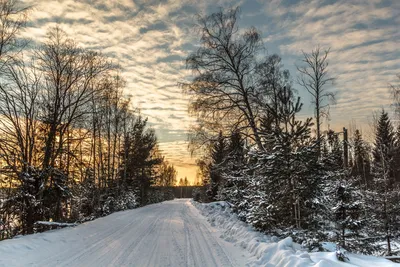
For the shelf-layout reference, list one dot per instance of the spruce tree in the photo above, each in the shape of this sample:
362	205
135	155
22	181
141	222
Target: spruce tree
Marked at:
235	149
362	166
335	154
384	199
385	144
218	155
233	182
140	144
348	211
396	159
287	176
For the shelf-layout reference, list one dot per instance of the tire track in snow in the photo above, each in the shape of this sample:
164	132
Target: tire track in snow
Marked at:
100	243
134	242
170	234
96	239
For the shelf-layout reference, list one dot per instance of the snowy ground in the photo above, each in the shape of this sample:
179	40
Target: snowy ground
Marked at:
172	233
269	251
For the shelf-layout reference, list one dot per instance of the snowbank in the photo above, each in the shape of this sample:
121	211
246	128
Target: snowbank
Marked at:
268	250
58	224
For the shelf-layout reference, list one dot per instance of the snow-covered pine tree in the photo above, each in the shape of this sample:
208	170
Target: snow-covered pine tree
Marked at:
385	143
348	211
218	156
384	203
233	181
335	149
287	176
384	198
396	159
342	193
361	165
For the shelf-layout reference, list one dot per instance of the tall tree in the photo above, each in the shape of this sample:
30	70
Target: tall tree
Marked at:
362	165
385	194
218	156
272	80
347	210
68	71
223	90
385	143
235	148
19	109
233	182
140	145
12	19
66	128
314	77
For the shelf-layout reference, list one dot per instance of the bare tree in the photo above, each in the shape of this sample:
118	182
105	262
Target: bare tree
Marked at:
67	74
65	124
314	77
18	130
12	19
17	108
223	92
273	80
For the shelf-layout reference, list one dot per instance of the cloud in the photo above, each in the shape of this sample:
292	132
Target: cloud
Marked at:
363	37
150	40
176	152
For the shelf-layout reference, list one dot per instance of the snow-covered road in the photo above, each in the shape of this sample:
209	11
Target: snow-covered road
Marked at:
171	233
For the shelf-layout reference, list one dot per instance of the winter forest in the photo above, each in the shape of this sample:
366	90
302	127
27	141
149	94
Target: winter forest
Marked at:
282	173
73	147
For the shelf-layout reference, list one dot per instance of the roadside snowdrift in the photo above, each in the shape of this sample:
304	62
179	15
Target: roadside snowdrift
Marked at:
268	250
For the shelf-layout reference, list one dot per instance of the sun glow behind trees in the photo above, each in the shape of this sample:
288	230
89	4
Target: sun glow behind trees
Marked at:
71	147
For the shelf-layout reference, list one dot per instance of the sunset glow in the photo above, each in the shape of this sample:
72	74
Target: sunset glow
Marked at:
151	39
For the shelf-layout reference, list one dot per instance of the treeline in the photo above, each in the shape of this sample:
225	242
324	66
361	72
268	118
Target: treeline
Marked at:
260	157
71	147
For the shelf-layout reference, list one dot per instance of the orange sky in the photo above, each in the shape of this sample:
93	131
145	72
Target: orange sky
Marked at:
150	40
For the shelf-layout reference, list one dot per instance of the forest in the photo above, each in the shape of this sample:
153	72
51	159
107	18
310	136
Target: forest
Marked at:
281	172
72	148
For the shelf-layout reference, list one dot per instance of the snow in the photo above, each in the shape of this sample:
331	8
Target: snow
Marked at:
55	224
269	251
172	233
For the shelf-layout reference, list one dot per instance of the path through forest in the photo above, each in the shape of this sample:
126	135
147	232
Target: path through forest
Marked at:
172	233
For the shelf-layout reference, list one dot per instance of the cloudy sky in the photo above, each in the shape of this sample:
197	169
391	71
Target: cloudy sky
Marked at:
150	39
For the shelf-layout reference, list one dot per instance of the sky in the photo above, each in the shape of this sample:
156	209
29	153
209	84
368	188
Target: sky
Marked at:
150	40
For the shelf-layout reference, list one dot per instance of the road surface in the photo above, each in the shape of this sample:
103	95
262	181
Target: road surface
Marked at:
172	233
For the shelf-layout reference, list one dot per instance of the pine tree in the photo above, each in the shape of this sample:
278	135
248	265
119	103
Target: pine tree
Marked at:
235	149
348	210
385	144
140	158
218	155
186	182
396	159
336	149
218	152
384	203
361	167
385	196
288	175
233	183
